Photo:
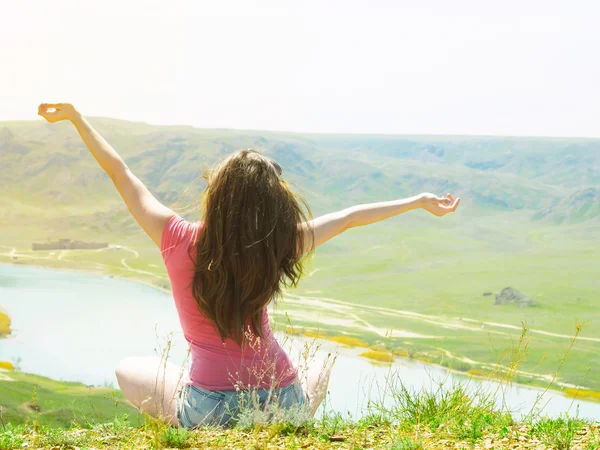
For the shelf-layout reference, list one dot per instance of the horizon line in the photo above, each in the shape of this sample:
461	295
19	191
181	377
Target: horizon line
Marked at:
325	133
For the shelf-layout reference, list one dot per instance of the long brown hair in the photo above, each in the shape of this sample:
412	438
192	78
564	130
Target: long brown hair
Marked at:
248	247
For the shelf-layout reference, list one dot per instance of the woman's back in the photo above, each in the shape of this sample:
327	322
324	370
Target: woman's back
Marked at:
218	365
224	272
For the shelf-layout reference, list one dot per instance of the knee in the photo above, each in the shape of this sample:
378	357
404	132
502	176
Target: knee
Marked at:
123	368
120	371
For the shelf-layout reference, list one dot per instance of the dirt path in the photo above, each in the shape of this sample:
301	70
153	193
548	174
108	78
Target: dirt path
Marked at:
352	312
135	256
3	375
13	253
60	255
440	321
547	333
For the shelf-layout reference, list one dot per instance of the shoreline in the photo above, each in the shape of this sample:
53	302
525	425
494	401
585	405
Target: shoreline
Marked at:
349	350
89	272
396	365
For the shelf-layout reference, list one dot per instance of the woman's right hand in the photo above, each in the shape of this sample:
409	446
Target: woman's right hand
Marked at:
439	206
55	112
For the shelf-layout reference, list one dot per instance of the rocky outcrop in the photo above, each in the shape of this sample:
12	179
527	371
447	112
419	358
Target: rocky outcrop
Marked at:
511	295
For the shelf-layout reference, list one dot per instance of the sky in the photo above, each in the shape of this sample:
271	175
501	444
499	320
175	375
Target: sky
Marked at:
373	66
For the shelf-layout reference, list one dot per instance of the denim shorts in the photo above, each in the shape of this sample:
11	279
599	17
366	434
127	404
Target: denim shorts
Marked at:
197	406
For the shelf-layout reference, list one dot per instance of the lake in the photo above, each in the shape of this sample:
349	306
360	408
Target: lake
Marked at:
75	326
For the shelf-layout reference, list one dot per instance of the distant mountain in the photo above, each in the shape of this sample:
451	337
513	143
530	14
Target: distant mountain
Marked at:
43	164
581	205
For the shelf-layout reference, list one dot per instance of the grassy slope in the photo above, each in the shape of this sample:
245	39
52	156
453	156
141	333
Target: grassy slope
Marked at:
417	420
27	398
397	275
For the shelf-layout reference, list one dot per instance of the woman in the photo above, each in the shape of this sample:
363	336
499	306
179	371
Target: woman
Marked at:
224	271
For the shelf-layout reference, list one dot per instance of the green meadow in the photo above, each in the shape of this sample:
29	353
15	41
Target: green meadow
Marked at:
29	398
416	421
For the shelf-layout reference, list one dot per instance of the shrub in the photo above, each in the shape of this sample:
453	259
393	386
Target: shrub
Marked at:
407	444
378	356
175	437
558	433
349	341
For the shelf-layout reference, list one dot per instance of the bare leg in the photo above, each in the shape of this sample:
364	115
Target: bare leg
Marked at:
314	378
151	384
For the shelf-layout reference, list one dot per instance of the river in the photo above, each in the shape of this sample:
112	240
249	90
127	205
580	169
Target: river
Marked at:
75	326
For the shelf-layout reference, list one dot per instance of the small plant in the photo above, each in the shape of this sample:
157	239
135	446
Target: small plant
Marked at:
453	410
375	420
558	433
332	423
59	438
293	417
594	443
11	437
407	444
381	356
118	428
175	437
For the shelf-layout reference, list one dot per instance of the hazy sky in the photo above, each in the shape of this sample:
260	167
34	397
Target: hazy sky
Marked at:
459	67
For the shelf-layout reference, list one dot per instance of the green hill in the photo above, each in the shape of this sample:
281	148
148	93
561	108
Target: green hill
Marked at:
48	163
579	206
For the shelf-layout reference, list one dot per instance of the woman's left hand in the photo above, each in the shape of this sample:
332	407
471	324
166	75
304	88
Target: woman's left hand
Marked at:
55	112
439	206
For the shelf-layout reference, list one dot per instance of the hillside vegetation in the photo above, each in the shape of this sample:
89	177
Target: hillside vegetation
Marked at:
454	418
43	162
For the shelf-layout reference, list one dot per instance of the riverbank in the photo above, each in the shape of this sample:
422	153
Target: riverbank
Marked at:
380	356
388	357
90	272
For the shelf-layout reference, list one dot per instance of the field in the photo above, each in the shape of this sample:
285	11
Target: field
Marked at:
28	398
417	291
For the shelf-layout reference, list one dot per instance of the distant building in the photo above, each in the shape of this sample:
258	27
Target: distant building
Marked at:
67	244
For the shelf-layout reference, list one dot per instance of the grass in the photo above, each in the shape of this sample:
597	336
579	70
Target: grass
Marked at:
450	416
44	413
390	271
453	418
33	398
558	433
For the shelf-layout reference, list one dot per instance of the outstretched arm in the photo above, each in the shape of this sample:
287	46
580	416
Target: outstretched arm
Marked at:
148	212
376	212
330	225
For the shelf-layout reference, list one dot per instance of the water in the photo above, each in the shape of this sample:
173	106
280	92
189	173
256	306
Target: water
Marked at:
74	326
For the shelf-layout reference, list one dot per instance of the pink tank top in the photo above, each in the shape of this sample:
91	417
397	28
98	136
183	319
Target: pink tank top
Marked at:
216	365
